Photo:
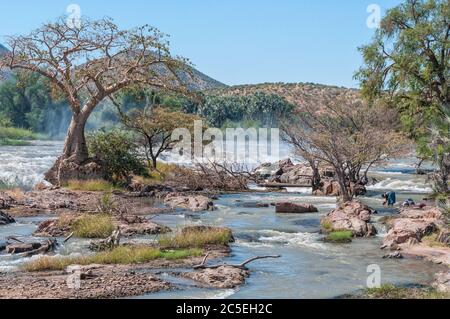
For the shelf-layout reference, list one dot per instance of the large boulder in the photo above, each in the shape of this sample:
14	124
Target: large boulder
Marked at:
6	219
331	187
270	170
293	208
411	226
195	203
352	216
65	170
300	174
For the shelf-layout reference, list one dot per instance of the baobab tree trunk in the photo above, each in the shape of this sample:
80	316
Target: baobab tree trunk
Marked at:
75	146
74	163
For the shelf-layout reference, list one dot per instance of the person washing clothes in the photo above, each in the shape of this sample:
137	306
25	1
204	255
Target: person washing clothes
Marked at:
390	198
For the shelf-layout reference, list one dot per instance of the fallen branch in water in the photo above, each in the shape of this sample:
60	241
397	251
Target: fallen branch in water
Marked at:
68	237
240	266
48	246
15	239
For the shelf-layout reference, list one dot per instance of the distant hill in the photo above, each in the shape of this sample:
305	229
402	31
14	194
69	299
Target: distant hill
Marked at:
4	74
295	93
3	49
200	81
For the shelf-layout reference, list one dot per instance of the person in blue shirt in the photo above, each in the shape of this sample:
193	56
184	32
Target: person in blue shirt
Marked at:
390	198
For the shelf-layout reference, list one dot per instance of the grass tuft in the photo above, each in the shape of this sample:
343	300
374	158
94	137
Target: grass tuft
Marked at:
344	236
392	292
93	226
93	185
197	238
123	255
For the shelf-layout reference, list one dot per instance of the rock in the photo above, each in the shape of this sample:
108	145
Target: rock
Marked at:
268	170
352	216
6	201
195	203
411	226
292	208
55	228
65	170
330	188
6	219
223	277
254	205
300	174
393	255
140	226
442	282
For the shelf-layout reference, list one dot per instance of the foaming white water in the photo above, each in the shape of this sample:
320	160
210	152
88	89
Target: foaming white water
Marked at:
415	186
25	166
292	239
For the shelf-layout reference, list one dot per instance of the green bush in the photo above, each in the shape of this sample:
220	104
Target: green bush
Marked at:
117	153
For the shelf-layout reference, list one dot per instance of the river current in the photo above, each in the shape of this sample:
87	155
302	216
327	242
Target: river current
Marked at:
308	268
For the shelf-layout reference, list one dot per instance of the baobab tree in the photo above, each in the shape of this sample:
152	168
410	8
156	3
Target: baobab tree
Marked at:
88	63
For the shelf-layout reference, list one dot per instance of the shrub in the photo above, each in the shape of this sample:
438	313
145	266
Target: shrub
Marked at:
93	226
343	236
117	153
122	255
197	238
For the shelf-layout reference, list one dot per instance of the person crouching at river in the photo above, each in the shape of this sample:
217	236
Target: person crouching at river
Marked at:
390	199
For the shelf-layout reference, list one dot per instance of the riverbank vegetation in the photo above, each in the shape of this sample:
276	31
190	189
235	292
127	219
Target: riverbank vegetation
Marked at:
93	226
197	238
392	292
123	255
92	185
406	67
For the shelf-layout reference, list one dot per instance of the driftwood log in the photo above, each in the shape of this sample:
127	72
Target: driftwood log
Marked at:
240	266
109	243
31	249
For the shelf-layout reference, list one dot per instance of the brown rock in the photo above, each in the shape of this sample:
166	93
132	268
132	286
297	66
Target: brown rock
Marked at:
407	230
352	216
6	219
292	208
223	277
195	203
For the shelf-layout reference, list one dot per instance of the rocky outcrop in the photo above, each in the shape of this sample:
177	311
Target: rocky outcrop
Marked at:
411	226
65	170
6	219
131	225
293	208
352	216
55	227
330	187
195	203
223	277
442	282
6	201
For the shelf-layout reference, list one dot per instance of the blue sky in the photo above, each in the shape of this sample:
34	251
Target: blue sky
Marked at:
234	41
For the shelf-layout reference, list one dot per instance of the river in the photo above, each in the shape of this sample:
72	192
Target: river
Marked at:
308	268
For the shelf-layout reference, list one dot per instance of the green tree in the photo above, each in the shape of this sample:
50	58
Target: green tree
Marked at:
407	66
155	127
117	153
